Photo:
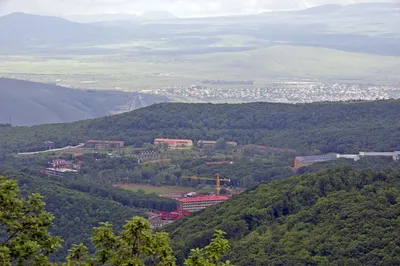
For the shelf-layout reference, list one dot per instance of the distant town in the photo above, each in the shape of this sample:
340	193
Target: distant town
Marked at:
284	92
238	91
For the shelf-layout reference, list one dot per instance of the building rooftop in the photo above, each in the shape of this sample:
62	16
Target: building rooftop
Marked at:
105	141
317	158
62	170
207	141
207	198
377	153
173	140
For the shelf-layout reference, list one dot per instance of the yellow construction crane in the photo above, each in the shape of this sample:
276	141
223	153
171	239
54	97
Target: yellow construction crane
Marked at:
218	180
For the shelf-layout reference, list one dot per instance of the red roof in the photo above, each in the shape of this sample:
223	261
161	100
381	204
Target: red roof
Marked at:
207	198
175	215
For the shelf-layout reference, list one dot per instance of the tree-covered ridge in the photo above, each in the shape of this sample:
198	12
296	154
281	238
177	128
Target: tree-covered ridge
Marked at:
333	217
327	127
78	207
25	239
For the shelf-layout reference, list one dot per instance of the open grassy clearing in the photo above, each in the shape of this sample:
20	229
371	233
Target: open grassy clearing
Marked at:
162	190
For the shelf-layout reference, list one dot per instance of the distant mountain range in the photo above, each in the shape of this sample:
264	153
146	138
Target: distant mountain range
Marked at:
156	15
31	103
19	29
354	9
109	17
332	26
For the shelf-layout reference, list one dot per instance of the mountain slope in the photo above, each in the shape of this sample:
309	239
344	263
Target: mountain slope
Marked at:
31	103
78	207
96	18
333	217
347	127
25	30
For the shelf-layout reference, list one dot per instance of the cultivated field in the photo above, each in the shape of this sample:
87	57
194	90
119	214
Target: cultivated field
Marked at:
263	65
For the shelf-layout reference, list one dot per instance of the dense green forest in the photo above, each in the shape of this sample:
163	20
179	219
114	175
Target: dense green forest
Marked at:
318	127
25	238
333	217
245	171
78	206
316	218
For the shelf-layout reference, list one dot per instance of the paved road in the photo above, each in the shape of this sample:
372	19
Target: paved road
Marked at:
53	150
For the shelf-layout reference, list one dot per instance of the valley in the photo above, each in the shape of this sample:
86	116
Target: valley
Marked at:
26	103
263	137
289	56
121	162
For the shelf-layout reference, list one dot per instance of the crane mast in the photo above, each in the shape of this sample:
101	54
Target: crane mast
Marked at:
218	180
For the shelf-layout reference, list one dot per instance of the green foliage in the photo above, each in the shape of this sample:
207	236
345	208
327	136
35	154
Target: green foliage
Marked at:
24	239
134	246
78	255
212	254
78	207
332	127
333	217
138	245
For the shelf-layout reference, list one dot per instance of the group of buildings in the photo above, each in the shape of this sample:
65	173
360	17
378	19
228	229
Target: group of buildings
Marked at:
176	143
302	161
186	205
170	143
297	91
104	144
62	168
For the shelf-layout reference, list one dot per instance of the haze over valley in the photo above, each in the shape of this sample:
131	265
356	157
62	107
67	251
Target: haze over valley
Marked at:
330	52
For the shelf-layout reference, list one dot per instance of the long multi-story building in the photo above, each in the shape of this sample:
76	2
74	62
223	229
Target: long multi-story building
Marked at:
60	172
394	154
174	143
199	203
213	143
104	144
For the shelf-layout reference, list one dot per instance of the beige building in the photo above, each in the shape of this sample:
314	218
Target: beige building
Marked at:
199	203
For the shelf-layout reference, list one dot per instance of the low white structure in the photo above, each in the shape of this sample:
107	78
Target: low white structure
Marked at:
354	157
394	154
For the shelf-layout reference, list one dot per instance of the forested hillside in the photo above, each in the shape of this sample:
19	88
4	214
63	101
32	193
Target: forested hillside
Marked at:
78	207
325	127
333	217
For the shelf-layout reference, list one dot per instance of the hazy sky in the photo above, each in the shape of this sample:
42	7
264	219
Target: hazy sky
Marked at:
182	8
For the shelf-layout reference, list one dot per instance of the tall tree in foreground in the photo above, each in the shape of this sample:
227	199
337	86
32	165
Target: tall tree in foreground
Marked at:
138	245
212	254
24	239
